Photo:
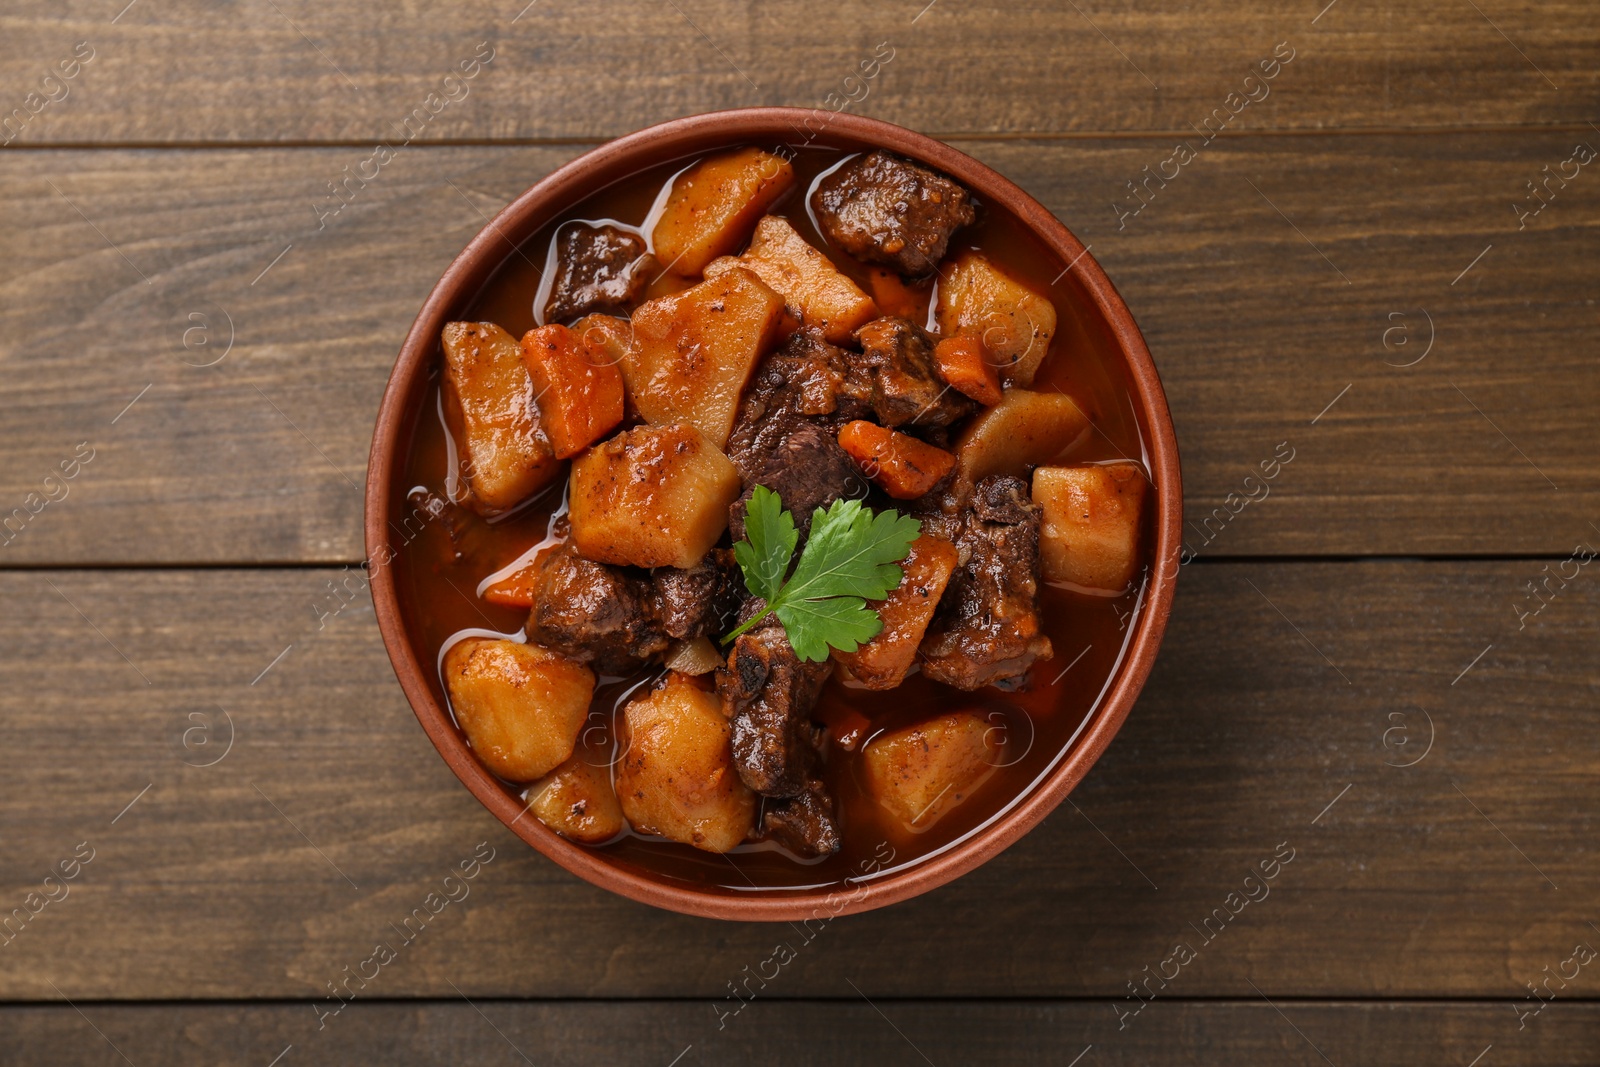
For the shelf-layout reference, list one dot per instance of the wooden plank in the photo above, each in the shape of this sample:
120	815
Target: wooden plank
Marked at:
301	71
125	269
782	1033
1285	698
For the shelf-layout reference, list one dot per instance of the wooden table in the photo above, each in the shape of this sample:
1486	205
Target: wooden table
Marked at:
1358	671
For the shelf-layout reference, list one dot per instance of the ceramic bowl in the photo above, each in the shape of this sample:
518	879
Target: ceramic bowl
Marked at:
561	191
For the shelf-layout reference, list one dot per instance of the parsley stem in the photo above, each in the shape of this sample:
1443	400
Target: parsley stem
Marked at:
745	627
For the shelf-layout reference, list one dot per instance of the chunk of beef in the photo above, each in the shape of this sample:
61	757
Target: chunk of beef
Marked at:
803	824
598	268
768	694
808	470
883	209
616	619
986	631
594	613
701	600
807	379
906	387
786	433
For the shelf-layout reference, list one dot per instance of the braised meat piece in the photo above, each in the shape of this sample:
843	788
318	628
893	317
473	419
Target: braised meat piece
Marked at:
699	601
803	824
808	470
986	631
883	209
906	387
598	268
786	433
805	379
594	613
768	693
615	619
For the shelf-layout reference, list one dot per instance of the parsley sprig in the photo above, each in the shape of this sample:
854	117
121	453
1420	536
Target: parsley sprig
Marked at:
851	557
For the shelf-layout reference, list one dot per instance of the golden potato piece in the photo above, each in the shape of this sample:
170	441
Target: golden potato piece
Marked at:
714	203
607	337
921	772
521	706
677	777
576	801
1016	324
816	291
653	496
882	663
489	405
1023	430
693	353
1090	532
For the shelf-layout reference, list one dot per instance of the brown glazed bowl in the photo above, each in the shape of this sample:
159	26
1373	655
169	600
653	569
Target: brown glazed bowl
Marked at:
564	189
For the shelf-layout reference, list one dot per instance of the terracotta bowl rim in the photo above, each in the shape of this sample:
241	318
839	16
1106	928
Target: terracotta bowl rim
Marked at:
563	189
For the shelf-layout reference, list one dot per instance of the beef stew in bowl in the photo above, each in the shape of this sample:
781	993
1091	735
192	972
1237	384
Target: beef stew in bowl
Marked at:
789	518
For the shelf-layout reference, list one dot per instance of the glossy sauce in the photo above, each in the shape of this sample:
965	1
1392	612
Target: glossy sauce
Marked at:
441	563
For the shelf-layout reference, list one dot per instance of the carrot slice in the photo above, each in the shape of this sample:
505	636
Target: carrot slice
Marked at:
882	663
964	363
901	465
515	590
578	390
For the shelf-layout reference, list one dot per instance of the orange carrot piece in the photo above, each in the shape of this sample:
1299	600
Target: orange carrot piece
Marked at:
882	663
901	465
894	297
515	590
578	390
964	363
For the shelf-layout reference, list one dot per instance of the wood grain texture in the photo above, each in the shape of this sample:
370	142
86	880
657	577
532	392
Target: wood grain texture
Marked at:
785	1033
294	70
1270	720
1281	284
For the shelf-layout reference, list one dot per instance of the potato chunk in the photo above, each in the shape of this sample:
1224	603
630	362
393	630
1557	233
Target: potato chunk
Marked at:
578	390
489	405
897	297
520	705
654	496
607	338
576	801
1016	323
677	777
818	293
693	353
1090	533
882	663
921	772
1023	430
714	204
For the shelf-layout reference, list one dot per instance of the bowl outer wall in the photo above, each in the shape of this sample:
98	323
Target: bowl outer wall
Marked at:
562	190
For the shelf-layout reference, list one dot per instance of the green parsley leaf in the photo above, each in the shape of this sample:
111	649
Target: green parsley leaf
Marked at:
770	538
852	552
850	558
845	622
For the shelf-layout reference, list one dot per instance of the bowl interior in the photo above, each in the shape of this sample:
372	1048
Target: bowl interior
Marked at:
1098	319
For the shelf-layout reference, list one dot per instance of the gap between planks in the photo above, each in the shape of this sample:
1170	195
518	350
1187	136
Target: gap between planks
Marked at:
1572	126
425	1001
